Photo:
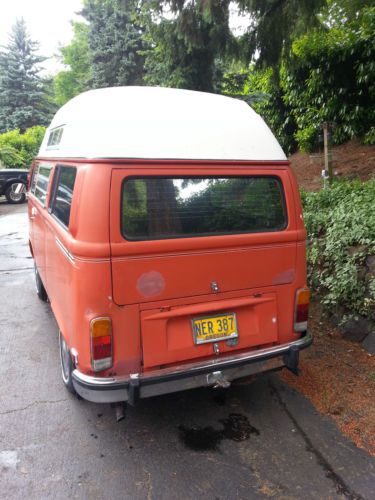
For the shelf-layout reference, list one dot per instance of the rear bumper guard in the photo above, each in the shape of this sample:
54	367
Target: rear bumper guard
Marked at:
190	375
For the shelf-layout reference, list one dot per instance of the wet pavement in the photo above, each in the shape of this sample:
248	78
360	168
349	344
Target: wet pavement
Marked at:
256	440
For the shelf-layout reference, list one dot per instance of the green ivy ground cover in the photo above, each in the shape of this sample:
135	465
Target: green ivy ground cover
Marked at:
340	222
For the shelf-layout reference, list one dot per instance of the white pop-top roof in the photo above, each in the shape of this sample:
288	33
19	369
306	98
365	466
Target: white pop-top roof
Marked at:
158	123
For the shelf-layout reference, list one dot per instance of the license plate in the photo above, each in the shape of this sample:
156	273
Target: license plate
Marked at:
214	328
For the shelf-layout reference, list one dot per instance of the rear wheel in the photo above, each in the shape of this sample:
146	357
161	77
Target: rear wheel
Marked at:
40	290
67	365
14	195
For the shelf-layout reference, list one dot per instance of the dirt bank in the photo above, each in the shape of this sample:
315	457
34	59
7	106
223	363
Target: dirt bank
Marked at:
352	160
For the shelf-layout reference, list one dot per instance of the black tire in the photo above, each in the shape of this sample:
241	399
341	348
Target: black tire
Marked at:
67	365
14	197
40	290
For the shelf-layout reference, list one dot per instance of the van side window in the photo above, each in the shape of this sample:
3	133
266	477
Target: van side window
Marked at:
33	178
40	187
63	193
54	138
162	207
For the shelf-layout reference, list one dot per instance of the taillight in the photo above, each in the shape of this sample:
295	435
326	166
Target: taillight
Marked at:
301	309
101	343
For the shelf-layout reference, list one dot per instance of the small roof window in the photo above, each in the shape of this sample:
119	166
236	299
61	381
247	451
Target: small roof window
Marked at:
54	138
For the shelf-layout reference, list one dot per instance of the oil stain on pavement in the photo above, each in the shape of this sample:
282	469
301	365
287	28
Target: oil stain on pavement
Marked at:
236	427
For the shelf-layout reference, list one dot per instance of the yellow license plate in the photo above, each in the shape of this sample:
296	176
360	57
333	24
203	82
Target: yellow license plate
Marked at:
214	328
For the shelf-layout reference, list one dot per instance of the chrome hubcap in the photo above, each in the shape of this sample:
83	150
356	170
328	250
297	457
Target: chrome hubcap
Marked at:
16	196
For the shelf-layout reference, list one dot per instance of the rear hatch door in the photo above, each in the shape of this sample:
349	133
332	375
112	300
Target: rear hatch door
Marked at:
193	245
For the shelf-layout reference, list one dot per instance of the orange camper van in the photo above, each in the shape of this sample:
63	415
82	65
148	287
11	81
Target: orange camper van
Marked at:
167	234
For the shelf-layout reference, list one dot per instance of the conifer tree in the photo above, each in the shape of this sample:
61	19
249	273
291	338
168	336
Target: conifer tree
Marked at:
23	99
115	42
185	49
274	24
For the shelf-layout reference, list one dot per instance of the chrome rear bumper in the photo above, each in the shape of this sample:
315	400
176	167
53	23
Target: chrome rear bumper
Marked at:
190	375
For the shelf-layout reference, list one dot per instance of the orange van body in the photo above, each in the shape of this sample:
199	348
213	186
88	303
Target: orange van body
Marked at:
152	290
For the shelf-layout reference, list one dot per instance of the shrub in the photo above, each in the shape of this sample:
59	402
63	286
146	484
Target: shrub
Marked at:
331	78
340	222
19	149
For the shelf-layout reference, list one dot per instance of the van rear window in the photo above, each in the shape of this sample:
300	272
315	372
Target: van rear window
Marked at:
166	207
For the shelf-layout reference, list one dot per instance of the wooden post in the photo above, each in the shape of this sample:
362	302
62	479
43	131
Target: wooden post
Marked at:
327	158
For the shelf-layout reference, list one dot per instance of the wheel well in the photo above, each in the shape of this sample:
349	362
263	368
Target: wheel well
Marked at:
12	181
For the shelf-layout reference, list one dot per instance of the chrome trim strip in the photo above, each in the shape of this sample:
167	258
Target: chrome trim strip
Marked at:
65	251
73	259
91	260
192	368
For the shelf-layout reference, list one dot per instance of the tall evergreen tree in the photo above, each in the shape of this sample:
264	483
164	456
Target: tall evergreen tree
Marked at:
115	42
190	42
23	99
186	43
273	24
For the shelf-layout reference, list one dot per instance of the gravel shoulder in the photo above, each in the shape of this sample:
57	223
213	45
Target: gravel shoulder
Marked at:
338	376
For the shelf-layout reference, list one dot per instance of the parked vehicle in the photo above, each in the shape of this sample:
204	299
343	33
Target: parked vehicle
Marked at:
13	184
167	233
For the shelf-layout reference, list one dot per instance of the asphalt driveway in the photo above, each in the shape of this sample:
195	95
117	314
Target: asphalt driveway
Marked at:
256	440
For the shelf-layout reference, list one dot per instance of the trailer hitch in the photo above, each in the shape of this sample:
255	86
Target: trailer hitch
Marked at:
217	380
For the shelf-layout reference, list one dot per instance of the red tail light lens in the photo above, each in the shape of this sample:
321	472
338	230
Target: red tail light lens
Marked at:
101	344
301	310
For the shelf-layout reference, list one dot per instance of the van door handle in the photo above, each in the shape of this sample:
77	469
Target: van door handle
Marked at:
34	213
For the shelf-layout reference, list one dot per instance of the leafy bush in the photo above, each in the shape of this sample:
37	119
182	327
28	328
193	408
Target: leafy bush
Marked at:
18	150
331	78
340	222
9	155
